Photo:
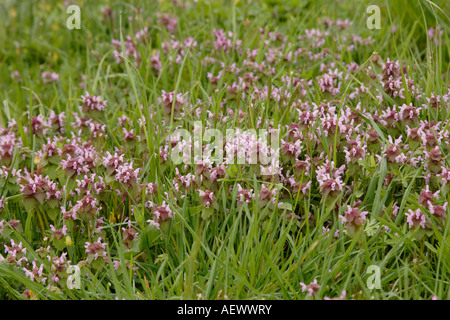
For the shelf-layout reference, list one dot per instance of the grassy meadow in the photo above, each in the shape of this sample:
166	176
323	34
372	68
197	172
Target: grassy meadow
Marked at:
107	194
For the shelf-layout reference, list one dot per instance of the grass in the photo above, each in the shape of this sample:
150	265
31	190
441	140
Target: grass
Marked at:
233	251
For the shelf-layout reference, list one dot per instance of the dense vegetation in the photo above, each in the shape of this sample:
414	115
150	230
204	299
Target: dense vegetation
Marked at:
90	129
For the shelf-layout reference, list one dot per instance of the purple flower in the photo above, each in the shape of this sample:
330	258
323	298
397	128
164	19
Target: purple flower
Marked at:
85	209
127	176
36	273
330	180
96	249
74	166
354	217
112	162
355	150
58	234
162	213
207	197
128	235
16	75
15	253
168	99
39	188
426	196
167	21
92	103
415	218
311	288
244	195
48	77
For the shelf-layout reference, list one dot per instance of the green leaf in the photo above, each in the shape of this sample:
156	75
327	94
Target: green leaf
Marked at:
29	204
371	227
195	210
40	197
135	244
285	206
430	246
150	235
53	213
60	244
52	203
207	213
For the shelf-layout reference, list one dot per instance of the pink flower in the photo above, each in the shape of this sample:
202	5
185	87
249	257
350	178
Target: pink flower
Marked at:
393	153
123	120
8	142
81	122
155	62
97	186
415	218
128	235
266	195
438	211
311	288
217	173
85	209
127	176
355	150
307	118
130	51
16	75
207	197
48	77
36	273
58	234
222	41
15	253
163	212
409	113
302	167
354	217
142	35
39	126
92	103
244	195
434	159
291	150
96	249
342	297
74	166
391	68
112	162
108	14
150	188
328	83
169	22
97	129
56	121
434	34
444	175
168	99
330	181
39	188
426	196
58	265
